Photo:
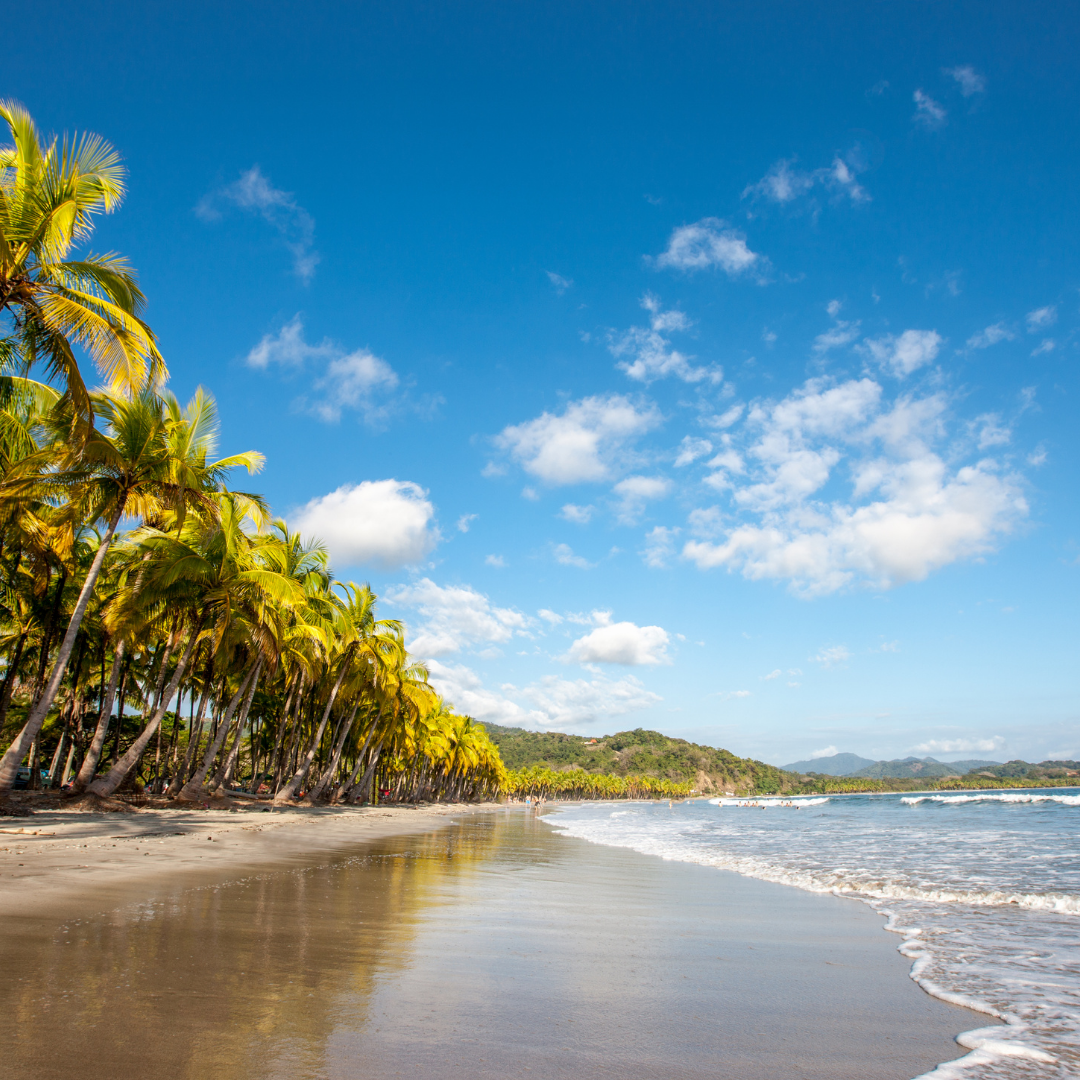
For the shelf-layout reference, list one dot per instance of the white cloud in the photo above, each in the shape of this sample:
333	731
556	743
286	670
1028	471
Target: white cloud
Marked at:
456	617
564	556
549	702
659	546
690	449
737	694
842	333
709	242
726	419
650	354
988	431
349	379
772	675
495	560
583	444
705	521
825	751
550	616
579	515
384	523
990	336
831	656
464	521
621	643
253	192
910	351
635	491
928	112
783	183
969	80
560	283
350	382
1040	318
1047	345
957	746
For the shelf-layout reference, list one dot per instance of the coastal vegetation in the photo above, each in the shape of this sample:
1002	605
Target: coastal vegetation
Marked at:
134	576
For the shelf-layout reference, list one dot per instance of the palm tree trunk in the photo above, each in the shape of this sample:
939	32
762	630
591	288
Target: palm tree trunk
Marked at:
291	787
9	764
335	757
192	790
224	775
93	755
107	785
10	678
195	735
347	785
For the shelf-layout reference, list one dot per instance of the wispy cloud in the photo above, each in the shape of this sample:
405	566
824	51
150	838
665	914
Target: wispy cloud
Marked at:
1041	318
558	282
929	113
564	556
955	746
349	380
254	193
910	351
785	183
990	336
648	354
831	656
967	78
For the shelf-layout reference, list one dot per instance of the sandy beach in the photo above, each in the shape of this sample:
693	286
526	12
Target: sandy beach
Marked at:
438	942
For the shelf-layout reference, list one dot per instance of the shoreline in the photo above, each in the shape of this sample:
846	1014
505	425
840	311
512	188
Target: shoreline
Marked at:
78	862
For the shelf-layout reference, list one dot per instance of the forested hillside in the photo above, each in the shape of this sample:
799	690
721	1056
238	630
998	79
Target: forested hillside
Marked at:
639	753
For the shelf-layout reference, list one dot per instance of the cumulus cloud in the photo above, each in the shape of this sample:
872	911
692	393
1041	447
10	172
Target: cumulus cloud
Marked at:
550	702
254	193
465	521
990	336
784	183
621	643
349	380
910	351
967	78
907	512
929	113
456	617
635	491
960	746
495	560
1040	318
583	444
648	354
825	751
709	242
383	523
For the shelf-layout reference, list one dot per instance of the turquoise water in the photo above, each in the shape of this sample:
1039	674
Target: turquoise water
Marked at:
983	888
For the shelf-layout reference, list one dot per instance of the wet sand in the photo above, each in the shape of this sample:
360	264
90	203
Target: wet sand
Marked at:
477	946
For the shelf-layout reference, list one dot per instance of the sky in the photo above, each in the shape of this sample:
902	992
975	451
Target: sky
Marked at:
708	368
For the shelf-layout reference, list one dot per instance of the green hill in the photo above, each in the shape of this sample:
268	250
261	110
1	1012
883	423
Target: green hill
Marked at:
639	753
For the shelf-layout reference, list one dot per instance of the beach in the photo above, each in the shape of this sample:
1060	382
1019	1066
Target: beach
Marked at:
434	942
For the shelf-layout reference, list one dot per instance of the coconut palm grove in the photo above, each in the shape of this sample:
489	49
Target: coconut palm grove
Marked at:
163	635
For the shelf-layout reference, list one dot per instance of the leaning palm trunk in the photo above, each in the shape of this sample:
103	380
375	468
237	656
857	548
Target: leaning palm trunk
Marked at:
228	767
97	743
115	777
192	790
346	786
335	757
293	785
9	764
194	738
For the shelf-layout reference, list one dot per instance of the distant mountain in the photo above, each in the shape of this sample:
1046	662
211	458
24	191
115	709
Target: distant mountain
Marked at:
921	768
834	765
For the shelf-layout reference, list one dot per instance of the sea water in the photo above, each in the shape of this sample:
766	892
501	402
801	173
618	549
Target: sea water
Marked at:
983	888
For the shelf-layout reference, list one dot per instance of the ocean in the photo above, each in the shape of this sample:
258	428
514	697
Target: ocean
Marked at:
983	889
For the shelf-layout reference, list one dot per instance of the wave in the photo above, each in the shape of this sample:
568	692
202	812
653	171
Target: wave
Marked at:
786	804
1007	797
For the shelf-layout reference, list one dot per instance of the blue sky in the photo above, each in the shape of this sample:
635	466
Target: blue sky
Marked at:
669	365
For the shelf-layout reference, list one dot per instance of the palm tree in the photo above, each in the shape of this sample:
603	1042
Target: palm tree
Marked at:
129	468
49	197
